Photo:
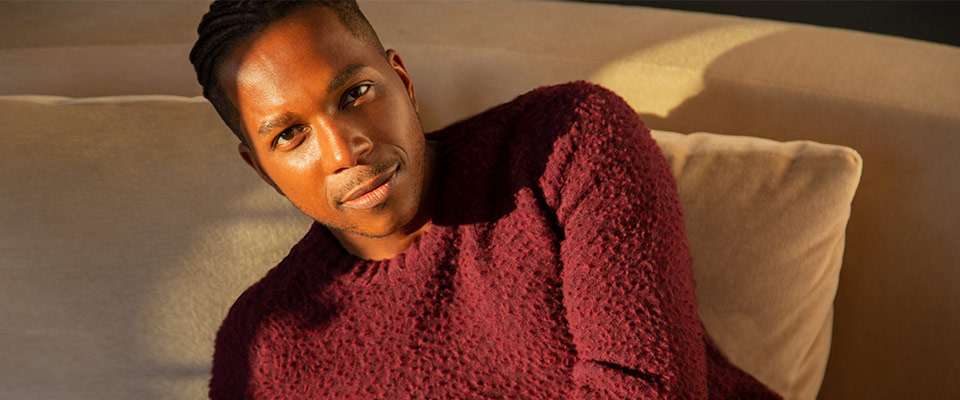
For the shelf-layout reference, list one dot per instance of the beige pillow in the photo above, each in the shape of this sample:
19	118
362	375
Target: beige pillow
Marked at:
766	222
130	225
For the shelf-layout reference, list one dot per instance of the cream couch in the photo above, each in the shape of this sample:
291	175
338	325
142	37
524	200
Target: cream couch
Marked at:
130	225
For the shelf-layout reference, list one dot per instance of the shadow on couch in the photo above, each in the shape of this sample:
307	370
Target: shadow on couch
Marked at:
896	288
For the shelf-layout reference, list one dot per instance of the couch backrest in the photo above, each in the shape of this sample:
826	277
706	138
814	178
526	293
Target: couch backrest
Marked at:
896	101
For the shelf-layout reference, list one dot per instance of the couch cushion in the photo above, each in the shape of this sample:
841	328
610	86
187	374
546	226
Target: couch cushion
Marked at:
766	223
131	225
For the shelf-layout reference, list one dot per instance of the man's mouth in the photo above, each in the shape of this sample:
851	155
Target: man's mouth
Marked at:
372	192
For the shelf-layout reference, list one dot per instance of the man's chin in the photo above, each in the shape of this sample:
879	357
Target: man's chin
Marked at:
365	233
369	235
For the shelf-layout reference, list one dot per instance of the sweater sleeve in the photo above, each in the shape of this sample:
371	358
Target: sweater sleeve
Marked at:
627	281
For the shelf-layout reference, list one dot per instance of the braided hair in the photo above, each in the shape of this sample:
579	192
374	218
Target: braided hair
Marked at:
229	23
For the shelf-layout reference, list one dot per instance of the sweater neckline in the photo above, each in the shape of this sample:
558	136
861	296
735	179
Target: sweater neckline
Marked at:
350	267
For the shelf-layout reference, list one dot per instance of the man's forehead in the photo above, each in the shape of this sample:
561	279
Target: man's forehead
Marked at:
311	40
314	32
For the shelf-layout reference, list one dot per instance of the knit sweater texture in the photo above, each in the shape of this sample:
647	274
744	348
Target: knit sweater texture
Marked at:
556	267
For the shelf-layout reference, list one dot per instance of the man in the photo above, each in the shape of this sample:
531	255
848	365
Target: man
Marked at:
536	250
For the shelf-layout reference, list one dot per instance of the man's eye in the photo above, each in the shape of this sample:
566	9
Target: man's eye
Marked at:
354	93
288	137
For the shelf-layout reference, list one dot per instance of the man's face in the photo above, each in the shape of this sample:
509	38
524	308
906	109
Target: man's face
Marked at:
330	122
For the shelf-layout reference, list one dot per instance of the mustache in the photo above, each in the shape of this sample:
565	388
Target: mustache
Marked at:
364	176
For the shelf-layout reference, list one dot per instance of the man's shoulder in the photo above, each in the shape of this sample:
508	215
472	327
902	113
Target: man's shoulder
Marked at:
558	105
573	109
271	294
534	141
566	103
265	317
259	300
568	118
571	94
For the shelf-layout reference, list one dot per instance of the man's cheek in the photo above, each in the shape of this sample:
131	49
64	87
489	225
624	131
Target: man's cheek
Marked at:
303	159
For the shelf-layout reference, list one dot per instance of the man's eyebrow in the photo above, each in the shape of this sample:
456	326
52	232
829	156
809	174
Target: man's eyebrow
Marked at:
342	76
272	123
284	119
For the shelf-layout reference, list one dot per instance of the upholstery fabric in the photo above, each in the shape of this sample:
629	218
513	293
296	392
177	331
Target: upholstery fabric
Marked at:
896	101
131	225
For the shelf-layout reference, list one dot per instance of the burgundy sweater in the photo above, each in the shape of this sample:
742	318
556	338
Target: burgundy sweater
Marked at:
556	267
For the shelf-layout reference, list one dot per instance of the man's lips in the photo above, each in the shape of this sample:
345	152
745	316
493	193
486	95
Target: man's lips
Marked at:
371	192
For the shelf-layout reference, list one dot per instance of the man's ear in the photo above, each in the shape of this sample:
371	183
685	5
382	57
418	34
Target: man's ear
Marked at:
247	155
397	63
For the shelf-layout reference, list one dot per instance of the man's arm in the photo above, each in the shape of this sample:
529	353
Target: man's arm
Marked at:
627	281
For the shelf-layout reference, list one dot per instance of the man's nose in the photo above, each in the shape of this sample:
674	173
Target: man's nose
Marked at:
346	146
